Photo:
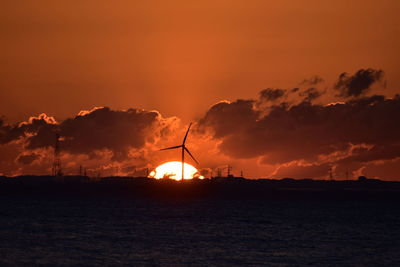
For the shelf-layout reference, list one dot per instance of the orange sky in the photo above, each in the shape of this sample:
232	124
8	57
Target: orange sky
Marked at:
180	57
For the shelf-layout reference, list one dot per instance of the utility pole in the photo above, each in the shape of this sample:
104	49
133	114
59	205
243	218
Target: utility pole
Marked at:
228	170
57	171
330	173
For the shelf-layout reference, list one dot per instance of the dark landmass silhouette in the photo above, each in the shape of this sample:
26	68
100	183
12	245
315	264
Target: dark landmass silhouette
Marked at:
218	188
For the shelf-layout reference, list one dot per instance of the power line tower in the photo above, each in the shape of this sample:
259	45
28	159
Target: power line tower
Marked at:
57	171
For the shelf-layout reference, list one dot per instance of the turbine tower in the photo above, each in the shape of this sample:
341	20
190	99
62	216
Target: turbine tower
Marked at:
183	147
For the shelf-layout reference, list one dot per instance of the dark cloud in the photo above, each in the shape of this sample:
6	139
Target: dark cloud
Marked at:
114	130
378	152
310	94
27	159
359	83
220	117
314	80
100	129
302	172
9	133
309	132
8	154
42	124
271	94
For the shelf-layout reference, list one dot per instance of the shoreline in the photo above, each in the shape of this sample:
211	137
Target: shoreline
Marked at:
215	188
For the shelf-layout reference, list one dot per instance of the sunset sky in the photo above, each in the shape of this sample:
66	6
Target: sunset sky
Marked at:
137	72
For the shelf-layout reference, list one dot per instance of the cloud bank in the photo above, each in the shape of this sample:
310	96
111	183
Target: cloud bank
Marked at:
281	133
97	133
303	136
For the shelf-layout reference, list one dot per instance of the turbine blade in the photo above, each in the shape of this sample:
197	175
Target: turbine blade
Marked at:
190	154
172	147
187	132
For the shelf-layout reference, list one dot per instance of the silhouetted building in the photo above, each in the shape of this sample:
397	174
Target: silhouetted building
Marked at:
362	178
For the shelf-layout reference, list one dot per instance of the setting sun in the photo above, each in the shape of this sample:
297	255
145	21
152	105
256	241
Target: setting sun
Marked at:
173	170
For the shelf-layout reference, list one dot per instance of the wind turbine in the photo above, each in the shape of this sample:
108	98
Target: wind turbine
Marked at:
183	146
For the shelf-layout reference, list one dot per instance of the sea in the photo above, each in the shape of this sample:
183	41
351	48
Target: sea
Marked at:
112	231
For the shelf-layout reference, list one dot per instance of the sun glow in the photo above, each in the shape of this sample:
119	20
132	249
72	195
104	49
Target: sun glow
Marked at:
173	170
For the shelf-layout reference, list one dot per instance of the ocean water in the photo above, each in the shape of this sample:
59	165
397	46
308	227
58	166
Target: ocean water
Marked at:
125	232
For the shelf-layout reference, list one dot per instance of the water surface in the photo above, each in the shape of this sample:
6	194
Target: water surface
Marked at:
114	231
